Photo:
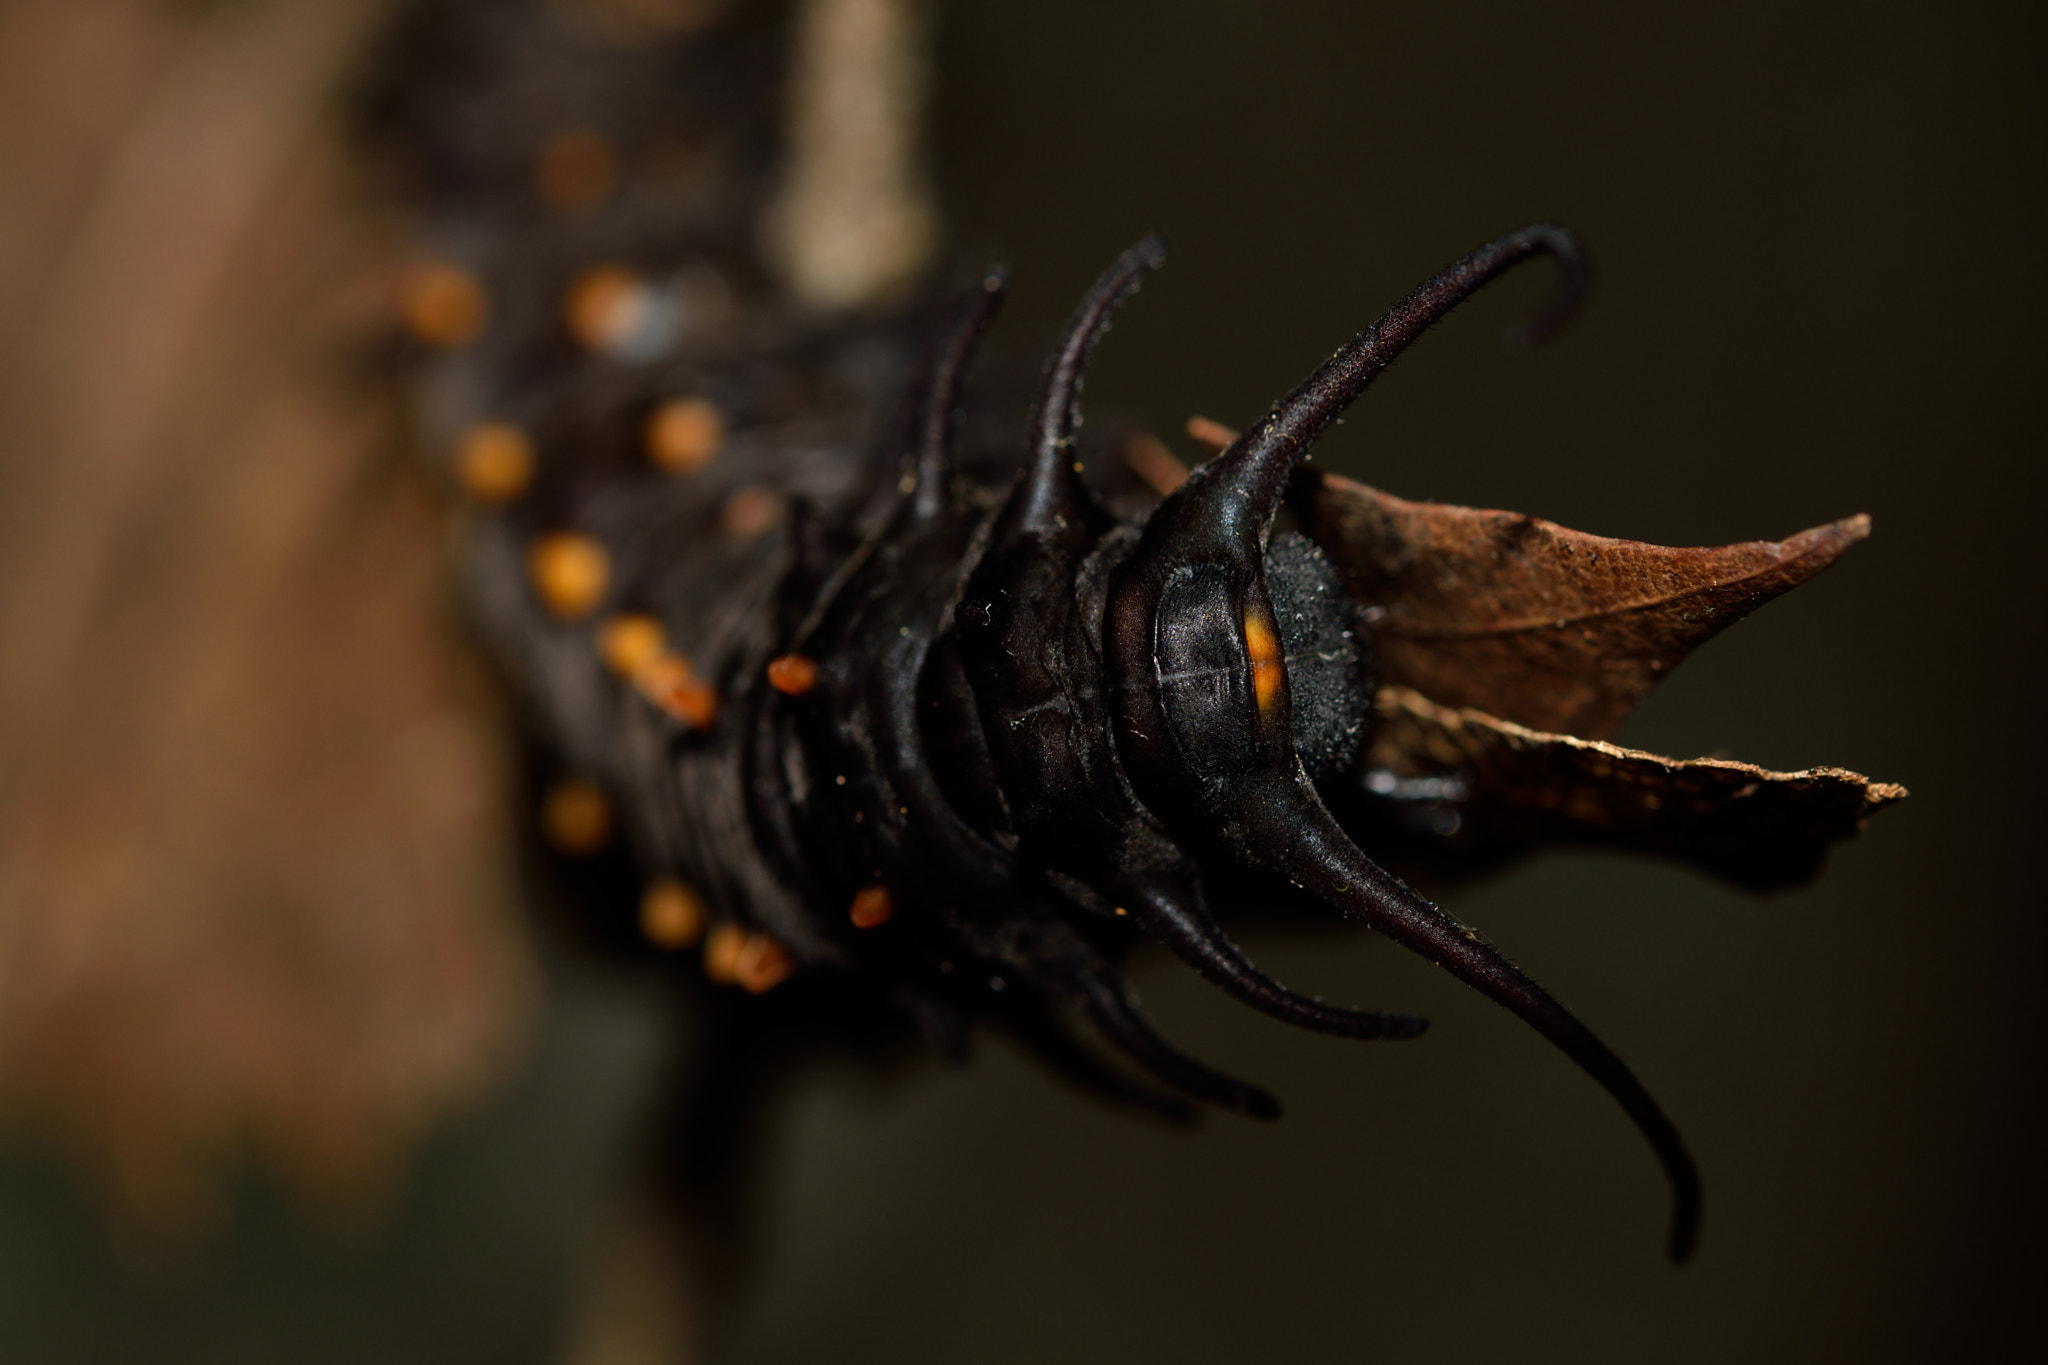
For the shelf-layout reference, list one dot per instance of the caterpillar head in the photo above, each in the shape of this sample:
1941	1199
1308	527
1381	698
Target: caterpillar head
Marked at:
1211	740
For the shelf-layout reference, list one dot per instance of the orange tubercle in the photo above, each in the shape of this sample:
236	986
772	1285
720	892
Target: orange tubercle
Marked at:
570	573
576	817
722	953
793	674
694	703
1262	643
494	462
762	965
442	305
671	915
873	905
605	307
630	642
684	434
668	682
755	963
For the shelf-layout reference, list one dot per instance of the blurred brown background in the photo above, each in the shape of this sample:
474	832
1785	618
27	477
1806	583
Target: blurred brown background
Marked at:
1820	231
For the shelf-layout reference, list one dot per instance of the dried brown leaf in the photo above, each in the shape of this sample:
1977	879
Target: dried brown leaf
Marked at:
1544	626
1486	787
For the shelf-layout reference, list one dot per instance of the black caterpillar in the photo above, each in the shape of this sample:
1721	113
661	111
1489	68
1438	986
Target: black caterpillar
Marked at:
931	721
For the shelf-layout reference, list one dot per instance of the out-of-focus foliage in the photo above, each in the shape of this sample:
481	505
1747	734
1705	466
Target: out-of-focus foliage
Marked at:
251	848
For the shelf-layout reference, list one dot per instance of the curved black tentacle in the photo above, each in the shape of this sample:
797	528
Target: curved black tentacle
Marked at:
927	437
1051	487
1044	1037
1241	489
1575	283
1034	668
1111	1010
938	400
1183	925
1284	826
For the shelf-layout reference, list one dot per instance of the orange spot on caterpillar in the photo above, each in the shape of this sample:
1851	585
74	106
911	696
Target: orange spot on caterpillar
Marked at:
599	306
872	905
683	434
762	965
576	817
570	572
793	674
629	643
442	305
750	511
722	953
494	462
668	682
576	170
1214	435
671	915
615	312
754	962
1262	643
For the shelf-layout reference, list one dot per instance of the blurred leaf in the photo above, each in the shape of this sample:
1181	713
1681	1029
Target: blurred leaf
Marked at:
252	847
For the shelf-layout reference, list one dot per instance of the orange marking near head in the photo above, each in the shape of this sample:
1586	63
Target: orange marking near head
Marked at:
630	642
576	170
576	817
494	462
442	305
1262	643
683	434
671	915
570	573
722	953
762	965
793	674
873	905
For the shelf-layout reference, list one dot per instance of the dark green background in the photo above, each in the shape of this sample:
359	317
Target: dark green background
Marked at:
1821	239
